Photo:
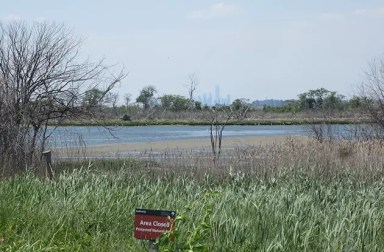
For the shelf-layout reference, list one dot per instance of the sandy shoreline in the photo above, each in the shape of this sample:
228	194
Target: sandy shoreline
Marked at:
160	146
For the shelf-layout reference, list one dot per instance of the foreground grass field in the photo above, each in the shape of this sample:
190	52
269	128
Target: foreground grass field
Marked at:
92	208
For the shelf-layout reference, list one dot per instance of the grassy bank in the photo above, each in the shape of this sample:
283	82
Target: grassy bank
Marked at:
291	196
197	122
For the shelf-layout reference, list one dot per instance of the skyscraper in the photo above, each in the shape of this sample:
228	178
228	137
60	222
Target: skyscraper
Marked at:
217	94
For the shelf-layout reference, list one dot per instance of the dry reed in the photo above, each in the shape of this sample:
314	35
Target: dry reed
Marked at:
328	159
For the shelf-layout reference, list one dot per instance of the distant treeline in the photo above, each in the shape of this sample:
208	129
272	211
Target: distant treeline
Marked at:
176	107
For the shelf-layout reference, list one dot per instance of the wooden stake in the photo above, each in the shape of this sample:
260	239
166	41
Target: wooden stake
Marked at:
48	159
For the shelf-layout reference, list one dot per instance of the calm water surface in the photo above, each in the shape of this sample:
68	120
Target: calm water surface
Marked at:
91	136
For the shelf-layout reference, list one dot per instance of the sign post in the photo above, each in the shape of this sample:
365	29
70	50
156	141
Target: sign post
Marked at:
151	224
152	246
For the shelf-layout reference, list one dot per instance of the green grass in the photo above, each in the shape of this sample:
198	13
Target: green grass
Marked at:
92	209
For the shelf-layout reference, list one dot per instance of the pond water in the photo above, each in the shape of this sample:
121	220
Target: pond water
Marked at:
93	136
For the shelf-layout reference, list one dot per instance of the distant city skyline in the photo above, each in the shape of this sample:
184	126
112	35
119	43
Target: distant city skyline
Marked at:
207	98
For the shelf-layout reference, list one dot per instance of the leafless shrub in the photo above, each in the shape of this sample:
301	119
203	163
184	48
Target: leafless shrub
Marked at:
363	132
372	92
319	126
321	132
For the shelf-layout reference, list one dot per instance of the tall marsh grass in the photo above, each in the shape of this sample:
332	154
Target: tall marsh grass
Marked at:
328	159
292	196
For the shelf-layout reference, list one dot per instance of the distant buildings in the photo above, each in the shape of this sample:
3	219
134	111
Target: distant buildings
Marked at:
216	99
207	99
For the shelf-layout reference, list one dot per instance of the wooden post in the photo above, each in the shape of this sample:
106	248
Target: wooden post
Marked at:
152	246
48	159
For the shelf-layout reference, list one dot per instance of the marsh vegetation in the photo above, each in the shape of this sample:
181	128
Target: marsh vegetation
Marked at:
290	196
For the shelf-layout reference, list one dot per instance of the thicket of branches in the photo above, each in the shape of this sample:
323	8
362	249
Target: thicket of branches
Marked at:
372	91
42	78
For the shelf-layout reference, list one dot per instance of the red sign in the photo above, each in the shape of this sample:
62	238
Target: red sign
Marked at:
151	224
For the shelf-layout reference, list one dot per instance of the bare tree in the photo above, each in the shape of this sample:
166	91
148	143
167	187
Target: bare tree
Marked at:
192	86
127	99
111	99
43	79
218	120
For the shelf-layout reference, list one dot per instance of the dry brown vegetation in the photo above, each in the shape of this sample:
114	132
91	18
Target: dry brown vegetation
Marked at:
267	159
325	160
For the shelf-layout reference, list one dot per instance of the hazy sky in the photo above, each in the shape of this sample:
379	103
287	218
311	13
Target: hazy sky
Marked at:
252	49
